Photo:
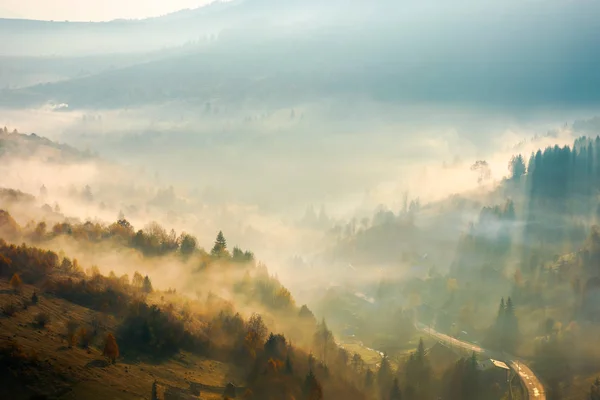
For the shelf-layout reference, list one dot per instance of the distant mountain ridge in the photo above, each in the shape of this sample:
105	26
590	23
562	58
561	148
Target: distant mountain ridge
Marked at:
20	144
295	51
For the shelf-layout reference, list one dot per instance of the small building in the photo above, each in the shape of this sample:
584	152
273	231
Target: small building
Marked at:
498	369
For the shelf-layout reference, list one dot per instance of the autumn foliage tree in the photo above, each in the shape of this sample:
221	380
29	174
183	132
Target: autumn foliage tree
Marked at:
16	283
111	349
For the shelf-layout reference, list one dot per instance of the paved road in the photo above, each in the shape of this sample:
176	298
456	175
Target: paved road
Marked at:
535	389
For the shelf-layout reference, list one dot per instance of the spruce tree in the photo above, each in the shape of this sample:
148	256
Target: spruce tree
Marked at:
369	378
395	393
147	285
289	369
220	246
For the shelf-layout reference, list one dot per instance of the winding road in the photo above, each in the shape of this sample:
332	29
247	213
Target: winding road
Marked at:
535	389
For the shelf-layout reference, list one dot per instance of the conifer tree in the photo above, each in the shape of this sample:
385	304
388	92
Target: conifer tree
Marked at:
369	378
220	247
312	388
147	285
395	393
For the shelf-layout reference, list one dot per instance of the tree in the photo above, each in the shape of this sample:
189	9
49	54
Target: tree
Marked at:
154	391
357	362
72	326
289	368
111	349
305	313
511	327
482	168
138	280
369	378
312	388
16	283
323	339
188	244
595	390
418	372
87	193
395	393
41	319
147	285
384	374
220	247
516	166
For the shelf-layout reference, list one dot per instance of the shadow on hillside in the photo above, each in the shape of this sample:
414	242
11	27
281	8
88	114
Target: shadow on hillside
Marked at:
134	358
97	364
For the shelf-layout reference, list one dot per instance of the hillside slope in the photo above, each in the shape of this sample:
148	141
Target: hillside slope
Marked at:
50	367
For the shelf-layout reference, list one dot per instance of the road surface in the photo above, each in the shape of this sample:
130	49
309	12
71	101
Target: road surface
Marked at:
535	389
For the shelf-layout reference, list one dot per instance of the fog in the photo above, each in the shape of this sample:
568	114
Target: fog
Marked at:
365	156
251	159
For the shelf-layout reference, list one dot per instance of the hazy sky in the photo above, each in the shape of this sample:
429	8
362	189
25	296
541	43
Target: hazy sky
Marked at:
92	10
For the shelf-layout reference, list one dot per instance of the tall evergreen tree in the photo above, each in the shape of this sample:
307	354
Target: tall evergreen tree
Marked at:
384	375
395	393
147	285
369	378
312	388
517	167
220	247
595	390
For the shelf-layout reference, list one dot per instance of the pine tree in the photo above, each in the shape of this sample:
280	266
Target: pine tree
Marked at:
147	285
384	375
501	309
312	388
421	351
323	339
471	384
517	167
220	246
395	393
369	378
595	390
511	327
289	369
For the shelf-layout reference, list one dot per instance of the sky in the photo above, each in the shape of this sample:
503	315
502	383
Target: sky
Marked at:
92	10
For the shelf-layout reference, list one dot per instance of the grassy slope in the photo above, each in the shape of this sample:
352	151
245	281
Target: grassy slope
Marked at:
87	373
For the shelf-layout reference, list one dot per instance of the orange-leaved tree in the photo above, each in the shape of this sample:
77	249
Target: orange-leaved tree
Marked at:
111	349
16	283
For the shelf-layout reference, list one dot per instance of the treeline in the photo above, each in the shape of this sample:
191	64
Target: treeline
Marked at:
484	248
152	240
